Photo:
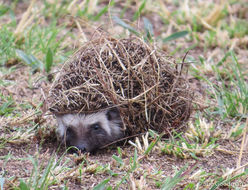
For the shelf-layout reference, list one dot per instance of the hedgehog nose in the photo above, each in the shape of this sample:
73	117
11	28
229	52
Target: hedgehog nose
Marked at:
82	148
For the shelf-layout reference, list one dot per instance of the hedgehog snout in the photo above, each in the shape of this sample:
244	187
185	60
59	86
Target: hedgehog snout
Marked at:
82	148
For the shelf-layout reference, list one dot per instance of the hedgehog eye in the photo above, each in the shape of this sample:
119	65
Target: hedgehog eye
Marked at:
70	134
95	126
69	131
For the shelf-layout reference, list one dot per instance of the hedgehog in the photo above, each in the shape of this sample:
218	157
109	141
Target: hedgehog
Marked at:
114	88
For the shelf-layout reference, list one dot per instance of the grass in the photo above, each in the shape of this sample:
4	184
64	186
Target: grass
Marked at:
231	94
7	105
37	37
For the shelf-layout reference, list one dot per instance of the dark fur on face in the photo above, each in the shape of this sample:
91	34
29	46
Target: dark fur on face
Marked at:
89	132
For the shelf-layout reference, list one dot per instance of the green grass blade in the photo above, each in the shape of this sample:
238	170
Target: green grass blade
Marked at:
104	10
135	157
29	60
223	59
137	13
34	175
125	25
152	144
148	29
118	159
109	188
217	184
222	181
3	10
23	185
6	104
49	60
24	57
43	180
101	186
170	183
176	35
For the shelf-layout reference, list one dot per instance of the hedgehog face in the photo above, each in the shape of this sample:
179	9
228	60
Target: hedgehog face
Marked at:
88	132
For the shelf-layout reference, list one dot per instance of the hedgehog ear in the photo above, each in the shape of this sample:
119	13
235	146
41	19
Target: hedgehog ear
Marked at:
113	114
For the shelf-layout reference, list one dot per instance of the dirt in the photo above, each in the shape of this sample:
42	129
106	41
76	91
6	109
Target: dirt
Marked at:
20	166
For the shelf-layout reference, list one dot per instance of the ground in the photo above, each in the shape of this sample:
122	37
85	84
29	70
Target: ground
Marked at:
37	37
